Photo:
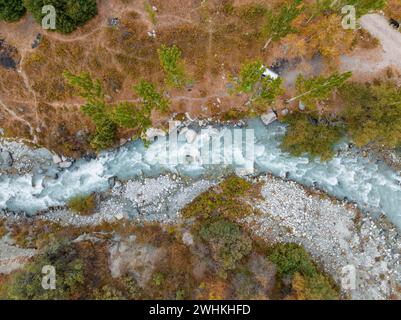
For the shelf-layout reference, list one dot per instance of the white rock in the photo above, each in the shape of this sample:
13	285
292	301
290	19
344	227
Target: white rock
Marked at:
56	159
301	106
187	238
284	112
151	133
189	117
119	216
213	132
174	125
268	118
190	135
65	164
241	172
122	247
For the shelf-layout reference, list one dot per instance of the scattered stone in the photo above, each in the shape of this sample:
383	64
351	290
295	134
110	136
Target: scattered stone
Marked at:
37	41
187	238
113	22
301	106
12	257
242	172
8	56
152	33
86	237
329	232
284	112
112	181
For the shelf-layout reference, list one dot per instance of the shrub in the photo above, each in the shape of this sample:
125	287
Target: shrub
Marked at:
170	60
70	13
27	284
150	11
223	200
228	242
158	279
83	205
105	134
11	10
307	282
373	113
82	272
304	136
291	258
318	287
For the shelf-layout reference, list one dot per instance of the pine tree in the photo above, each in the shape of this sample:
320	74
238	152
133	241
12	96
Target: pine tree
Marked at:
170	60
95	108
318	88
250	74
280	25
70	13
11	10
151	99
263	90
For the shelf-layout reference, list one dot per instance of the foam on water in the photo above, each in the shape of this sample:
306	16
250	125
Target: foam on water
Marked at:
372	185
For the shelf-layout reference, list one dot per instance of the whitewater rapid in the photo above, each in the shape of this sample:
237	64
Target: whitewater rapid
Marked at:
372	185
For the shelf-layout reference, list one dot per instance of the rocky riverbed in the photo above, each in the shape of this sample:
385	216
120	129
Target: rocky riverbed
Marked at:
337	234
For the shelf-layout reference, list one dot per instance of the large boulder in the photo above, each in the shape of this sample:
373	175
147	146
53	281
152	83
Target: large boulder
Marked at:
152	133
268	117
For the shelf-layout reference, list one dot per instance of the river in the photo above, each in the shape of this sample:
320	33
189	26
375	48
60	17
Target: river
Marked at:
371	184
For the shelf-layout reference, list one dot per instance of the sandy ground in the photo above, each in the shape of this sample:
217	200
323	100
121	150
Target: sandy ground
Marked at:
365	63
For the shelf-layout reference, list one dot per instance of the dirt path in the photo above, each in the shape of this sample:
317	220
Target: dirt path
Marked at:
15	116
376	60
390	38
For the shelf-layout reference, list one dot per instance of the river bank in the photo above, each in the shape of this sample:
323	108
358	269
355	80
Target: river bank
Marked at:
334	232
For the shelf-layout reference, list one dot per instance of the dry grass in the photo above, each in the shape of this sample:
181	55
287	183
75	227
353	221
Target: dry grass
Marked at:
215	37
